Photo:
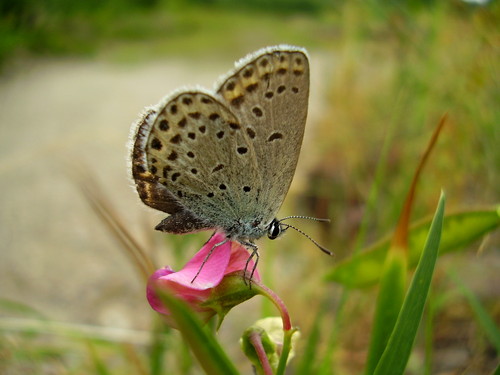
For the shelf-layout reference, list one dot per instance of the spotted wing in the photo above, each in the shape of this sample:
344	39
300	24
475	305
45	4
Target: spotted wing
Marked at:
268	93
190	159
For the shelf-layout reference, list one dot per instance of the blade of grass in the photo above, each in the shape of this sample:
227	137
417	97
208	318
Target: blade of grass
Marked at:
326	364
487	323
389	301
203	344
135	363
103	209
393	280
158	346
308	358
100	367
397	352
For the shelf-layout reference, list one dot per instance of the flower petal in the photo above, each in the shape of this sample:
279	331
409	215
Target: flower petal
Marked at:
238	261
212	271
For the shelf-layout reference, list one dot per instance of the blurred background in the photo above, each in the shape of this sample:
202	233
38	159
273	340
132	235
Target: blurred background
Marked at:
76	74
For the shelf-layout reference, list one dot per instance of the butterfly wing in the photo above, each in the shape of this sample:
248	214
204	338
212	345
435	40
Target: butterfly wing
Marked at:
188	159
225	161
268	93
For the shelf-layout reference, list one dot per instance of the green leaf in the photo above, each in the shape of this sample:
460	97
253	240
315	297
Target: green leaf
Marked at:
459	230
205	347
389	301
397	352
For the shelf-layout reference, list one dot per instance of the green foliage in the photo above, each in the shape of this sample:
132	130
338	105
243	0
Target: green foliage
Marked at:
397	352
204	345
390	299
459	230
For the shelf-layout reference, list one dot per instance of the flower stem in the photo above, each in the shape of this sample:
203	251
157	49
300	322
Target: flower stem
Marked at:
288	331
265	291
256	341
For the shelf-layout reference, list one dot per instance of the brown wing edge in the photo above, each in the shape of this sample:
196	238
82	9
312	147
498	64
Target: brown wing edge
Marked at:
152	192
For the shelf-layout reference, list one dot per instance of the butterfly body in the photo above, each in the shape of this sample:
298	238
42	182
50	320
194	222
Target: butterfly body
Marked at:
224	160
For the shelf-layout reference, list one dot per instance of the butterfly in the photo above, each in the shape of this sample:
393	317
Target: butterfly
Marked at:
225	159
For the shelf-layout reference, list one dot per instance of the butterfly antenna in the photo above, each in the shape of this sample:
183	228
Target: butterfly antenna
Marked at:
323	249
304	217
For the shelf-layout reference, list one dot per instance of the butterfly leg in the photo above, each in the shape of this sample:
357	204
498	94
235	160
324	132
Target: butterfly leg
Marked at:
254	253
208	256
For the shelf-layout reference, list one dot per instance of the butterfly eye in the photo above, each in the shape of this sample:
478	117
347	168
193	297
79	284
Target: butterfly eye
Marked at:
274	230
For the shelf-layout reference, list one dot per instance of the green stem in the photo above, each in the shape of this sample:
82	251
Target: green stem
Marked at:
287	346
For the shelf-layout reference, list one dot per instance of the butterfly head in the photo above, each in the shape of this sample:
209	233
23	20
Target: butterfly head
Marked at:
275	229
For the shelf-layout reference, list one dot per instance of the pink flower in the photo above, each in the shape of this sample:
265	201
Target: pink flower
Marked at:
202	293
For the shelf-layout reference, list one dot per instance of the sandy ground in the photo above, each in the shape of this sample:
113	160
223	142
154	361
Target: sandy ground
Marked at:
55	255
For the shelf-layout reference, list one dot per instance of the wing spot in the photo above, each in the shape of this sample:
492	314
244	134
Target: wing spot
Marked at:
210	195
153	169
251	133
176	139
202	129
195	115
173	109
281	71
257	111
252	87
156	144
281	89
214	116
153	160
205	100
298	61
220	134
164	125
295	90
274	136
282	58
222	187
166	169
175	176
230	86
246	189
173	155
269	94
182	123
248	73
218	168
266	76
194	171
187	101
237	101
264	63
297	72
192	135
190	154
234	125
179	193
242	150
